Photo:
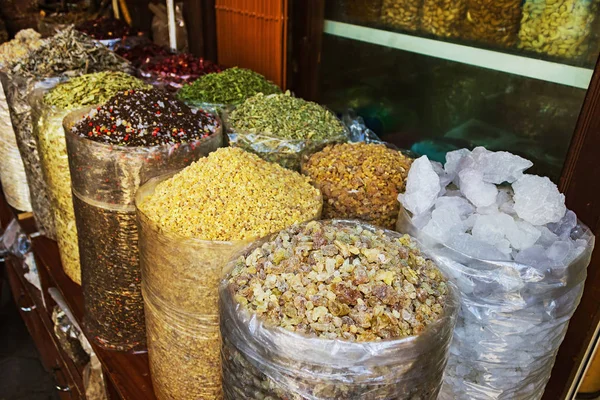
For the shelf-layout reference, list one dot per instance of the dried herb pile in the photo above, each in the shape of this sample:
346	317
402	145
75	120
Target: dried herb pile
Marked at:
284	116
25	41
242	197
147	117
232	86
92	89
359	180
68	52
85	90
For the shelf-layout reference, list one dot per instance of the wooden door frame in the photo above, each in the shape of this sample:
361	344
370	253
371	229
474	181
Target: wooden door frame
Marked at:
580	181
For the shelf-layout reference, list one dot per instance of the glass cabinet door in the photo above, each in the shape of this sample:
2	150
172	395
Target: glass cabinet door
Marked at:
437	75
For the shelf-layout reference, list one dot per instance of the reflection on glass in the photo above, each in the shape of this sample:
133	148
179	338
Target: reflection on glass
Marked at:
432	106
564	31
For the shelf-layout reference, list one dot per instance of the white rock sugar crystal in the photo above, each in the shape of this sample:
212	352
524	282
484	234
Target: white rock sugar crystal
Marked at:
499	166
482	196
422	187
537	200
478	192
510	247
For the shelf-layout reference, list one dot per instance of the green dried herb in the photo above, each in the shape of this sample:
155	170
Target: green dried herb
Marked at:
232	86
91	89
286	117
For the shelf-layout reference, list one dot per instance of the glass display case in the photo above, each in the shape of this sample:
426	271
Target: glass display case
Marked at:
437	75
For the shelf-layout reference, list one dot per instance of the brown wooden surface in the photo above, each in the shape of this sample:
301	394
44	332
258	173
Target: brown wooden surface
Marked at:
128	374
306	33
40	327
580	182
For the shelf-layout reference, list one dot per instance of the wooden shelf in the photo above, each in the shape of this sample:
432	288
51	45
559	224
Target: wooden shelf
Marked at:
495	60
128	375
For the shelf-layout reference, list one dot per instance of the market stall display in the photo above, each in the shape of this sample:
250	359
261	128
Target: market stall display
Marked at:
223	90
283	129
335	309
558	28
359	181
184	248
12	171
66	54
175	70
519	258
113	149
48	111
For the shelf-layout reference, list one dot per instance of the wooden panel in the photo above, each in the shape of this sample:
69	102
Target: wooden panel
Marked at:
306	38
581	184
129	373
252	34
53	358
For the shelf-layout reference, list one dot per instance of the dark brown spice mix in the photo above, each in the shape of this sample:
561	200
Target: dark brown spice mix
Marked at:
145	118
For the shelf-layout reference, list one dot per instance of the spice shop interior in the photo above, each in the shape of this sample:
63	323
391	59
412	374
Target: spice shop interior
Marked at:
299	199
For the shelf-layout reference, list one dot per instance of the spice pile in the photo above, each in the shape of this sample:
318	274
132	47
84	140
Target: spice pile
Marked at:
332	280
354	283
68	53
359	180
104	28
147	117
404	14
232	86
281	128
79	92
173	71
242	197
142	53
141	145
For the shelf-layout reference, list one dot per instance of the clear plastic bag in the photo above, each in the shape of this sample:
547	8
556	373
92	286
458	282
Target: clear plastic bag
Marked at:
403	14
512	321
443	17
220	110
52	148
261	362
68	337
17	92
180	283
493	21
104	180
558	28
12	170
288	153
